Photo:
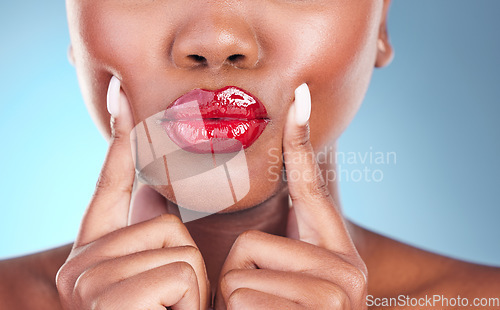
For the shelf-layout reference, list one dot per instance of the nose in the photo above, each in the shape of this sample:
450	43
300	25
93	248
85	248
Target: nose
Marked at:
215	40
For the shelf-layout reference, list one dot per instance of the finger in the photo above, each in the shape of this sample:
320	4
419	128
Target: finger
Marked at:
246	298
108	209
258	250
95	280
318	220
303	289
172	285
164	231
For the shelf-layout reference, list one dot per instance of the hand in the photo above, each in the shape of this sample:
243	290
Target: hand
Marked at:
317	266
149	265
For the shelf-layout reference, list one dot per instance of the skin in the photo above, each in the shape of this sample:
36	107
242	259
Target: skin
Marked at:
260	254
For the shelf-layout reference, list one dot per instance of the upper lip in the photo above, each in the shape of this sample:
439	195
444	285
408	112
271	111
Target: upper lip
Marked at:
228	103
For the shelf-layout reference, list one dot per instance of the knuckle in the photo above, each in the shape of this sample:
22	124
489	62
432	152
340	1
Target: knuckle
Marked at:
318	188
107	181
246	237
185	272
114	297
74	288
192	254
118	137
364	270
103	181
337	299
243	242
326	295
168	218
63	279
84	286
359	285
237	299
229	280
354	281
358	279
164	224
354	285
301	139
81	291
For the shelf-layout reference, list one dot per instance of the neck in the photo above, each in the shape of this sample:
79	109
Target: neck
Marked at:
215	234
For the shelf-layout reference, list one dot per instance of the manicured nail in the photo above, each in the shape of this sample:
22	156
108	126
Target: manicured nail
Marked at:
71	57
302	105
113	97
381	45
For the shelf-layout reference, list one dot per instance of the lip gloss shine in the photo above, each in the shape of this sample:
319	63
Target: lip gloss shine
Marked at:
221	121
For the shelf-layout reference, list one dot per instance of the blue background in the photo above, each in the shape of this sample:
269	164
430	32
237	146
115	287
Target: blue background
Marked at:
437	106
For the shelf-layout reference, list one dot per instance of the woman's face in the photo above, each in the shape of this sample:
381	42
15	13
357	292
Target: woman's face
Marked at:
161	50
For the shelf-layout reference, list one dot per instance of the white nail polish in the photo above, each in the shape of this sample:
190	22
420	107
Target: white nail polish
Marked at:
381	45
113	97
302	104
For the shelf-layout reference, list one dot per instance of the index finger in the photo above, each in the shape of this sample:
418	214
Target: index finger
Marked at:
109	206
318	219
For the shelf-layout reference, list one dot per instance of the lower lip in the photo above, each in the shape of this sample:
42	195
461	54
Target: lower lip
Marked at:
214	135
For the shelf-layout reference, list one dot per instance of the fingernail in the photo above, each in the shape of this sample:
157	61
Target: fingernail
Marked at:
71	57
381	45
302	104
113	97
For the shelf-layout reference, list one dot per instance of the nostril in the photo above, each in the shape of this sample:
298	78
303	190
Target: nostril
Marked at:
236	57
197	58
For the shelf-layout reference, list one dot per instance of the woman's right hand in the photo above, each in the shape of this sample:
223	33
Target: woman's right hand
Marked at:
149	265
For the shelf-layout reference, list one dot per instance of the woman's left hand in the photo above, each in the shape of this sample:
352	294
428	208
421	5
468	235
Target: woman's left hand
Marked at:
316	266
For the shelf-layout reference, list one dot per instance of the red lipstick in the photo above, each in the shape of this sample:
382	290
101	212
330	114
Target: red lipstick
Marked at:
220	121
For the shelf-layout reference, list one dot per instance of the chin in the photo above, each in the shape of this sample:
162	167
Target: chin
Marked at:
214	182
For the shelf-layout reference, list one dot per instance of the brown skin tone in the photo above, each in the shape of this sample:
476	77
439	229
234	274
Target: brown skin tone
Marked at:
331	45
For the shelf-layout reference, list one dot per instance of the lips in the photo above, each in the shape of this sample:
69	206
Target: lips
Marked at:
221	121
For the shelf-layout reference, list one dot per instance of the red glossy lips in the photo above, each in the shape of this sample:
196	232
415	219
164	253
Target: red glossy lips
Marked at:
222	121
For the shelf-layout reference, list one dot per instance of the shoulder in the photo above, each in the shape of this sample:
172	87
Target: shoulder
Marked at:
397	269
28	282
470	281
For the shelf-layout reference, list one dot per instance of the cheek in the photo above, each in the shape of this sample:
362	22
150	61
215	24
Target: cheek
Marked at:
131	42
336	59
342	76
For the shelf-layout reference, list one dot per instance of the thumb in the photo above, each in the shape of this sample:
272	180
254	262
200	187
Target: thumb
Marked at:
108	209
317	219
122	122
